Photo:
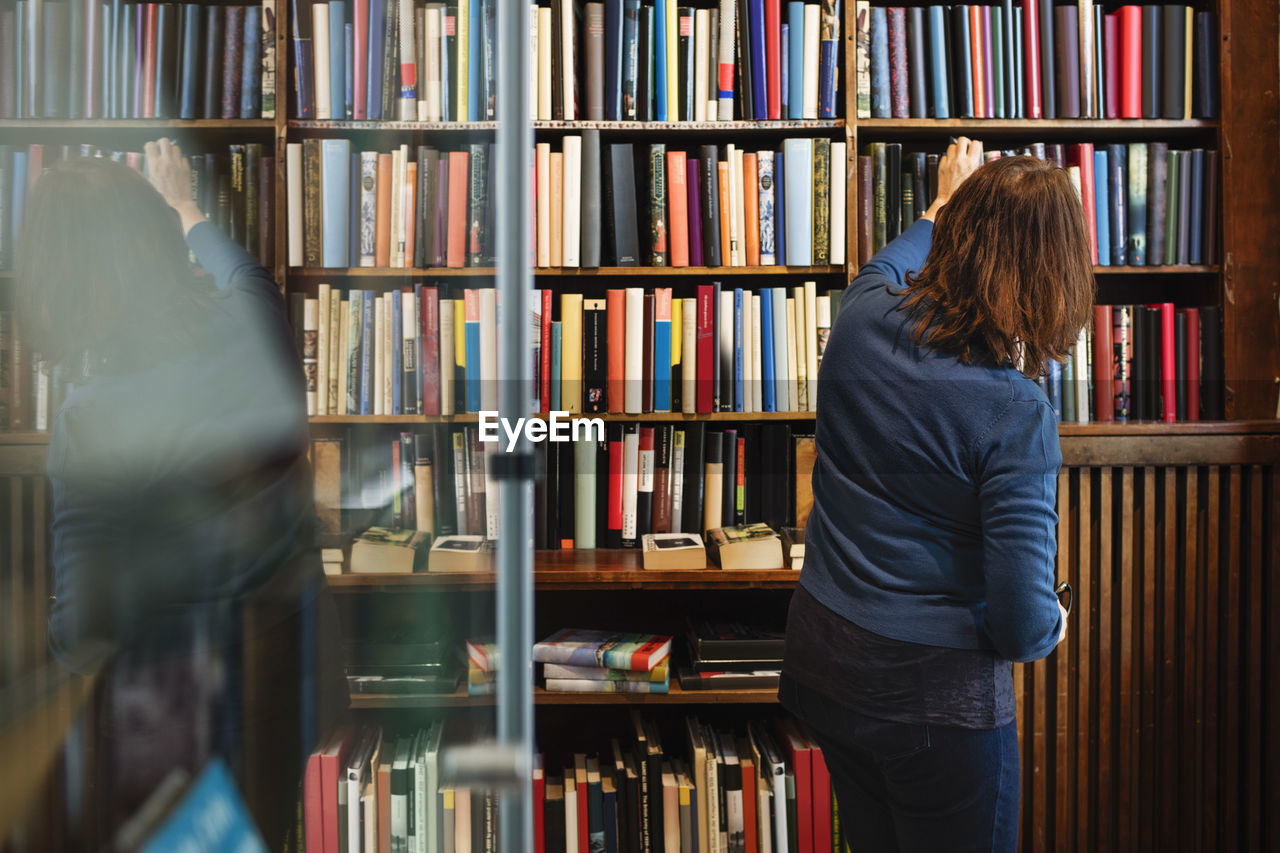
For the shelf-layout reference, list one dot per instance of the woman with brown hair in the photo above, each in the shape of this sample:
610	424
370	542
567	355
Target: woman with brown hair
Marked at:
929	562
183	528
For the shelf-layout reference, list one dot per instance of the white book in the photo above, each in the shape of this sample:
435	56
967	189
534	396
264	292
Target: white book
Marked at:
429	807
432	83
542	164
768	213
757	353
368	207
862	61
838	172
748	398
355	329
713	792
492	498
379	334
544	65
763	827
633	362
735	253
738	196
407	72
488	348
570	814
630	481
567	29
409	343
689	356
461	821
793	356
1081	374
310	312
534	63
337	325
399	158
677	480
571	201
701	50
293	167
811	341
822	320
811	50
673	51
322	350
390	341
447	358
342	357
782	389
320	58
726	350
726	52
801	356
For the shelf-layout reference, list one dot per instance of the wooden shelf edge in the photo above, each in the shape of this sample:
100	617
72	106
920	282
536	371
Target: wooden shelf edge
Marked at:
647	417
1177	269
577	579
676	696
427	272
1159	428
620	126
139	124
389	272
990	125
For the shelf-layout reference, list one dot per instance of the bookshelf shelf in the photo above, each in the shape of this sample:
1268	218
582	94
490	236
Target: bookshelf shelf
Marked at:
393	126
704	271
646	417
1037	128
1181	269
702	127
457	699
138	124
391	272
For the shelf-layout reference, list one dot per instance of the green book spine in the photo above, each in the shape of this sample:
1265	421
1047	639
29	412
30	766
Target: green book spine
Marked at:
1136	215
821	202
997	67
1171	218
658	204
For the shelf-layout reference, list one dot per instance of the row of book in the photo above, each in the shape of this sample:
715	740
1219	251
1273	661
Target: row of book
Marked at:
1034	59
1144	203
31	391
97	60
410	351
693	786
234	188
608	489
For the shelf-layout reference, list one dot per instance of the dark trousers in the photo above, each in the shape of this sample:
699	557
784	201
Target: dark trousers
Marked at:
913	787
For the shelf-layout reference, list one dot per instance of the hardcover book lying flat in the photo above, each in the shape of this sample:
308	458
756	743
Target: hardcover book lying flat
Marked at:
673	551
750	547
382	551
461	554
580	647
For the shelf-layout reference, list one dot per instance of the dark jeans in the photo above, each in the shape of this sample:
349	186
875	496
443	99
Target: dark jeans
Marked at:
914	787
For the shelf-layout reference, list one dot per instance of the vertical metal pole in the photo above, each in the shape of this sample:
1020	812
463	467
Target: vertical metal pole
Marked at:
515	540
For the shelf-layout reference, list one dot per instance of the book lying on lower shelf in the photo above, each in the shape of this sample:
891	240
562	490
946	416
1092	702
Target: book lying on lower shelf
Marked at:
756	678
482	668
583	647
668	551
461	554
793	547
752	547
383	551
333	560
604	673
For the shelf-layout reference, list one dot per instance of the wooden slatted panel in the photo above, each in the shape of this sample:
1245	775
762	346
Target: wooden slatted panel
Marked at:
1123	767
1230	787
1143	751
1062	664
1210	646
1083	615
1106	795
1189	772
1251	607
1166	759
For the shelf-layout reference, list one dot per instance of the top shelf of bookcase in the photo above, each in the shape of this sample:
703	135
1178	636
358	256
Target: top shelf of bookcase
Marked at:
1040	128
139	124
628	127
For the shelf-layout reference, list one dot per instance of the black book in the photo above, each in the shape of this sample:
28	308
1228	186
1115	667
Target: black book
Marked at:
644	75
1118	199
722	639
553	497
442	481
753	459
75	66
1195	227
744	93
595	354
553	814
1048	63
426	185
729	493
565	493
1173	30
919	184
590	209
710	188
540	541
1157	200
775	451
1155	409
893	189
167	60
1210	253
1138	363
695	436
623	238
557	65
489	238
215	20
962	67
1180	364
1152	61
916	60
237	203
931	188
1204	69
602	493
1211	408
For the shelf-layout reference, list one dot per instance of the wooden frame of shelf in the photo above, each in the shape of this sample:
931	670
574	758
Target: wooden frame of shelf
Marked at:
676	696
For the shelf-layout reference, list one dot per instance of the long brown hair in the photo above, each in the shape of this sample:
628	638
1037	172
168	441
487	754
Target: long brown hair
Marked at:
1009	274
102	267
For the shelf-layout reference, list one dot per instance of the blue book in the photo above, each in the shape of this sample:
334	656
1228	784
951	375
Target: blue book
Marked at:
630	59
556	338
784	61
767	396
1055	388
475	57
188	99
828	59
349	72
739	369
610	808
659	43
795	60
377	23
759	88
366	353
662	350
779	211
939	84
397	364
19	197
471	342
335	193
1102	207
337	61
251	64
798	154
613	49
210	816
880	62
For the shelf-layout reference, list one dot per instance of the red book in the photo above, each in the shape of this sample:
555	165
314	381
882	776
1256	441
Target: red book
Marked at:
430	351
746	764
976	60
678	208
613	532
312	807
581	777
333	762
382	213
821	795
616	334
544	353
1111	63
148	50
1193	363
1080	154
1031	57
751	207
539	803
456	255
801	756
773	58
1168	363
1130	61
706	356
360	60
1103	355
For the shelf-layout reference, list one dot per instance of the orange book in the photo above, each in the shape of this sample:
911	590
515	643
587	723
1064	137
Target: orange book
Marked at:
976	60
726	214
410	210
556	191
677	209
382	218
751	208
456	253
384	796
616	335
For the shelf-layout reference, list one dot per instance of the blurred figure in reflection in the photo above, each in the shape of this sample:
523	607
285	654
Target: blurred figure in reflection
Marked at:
183	520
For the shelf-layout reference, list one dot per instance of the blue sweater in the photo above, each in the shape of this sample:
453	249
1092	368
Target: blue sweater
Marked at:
934	487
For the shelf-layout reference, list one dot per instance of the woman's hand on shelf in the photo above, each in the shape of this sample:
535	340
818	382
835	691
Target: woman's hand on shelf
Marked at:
962	159
170	173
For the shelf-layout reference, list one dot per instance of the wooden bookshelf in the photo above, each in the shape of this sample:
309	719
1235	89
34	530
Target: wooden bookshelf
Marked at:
1032	129
565	272
645	417
148	124
676	696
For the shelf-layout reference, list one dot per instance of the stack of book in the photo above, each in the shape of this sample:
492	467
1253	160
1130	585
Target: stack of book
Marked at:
1034	59
585	661
411	351
482	668
726	654
74	60
713	206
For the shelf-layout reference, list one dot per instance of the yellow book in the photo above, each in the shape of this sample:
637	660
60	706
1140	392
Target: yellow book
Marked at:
571	352
677	333
459	334
1188	61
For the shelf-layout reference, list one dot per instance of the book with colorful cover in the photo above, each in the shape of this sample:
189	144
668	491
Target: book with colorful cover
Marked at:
661	672
482	655
583	647
586	685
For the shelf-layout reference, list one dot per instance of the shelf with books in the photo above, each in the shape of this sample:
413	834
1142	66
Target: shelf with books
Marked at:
663	127
1176	269
391	272
664	417
713	272
394	126
675	696
1058	128
146	124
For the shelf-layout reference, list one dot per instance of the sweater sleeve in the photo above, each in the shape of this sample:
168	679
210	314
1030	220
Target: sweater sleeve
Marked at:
1017	473
229	264
905	254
